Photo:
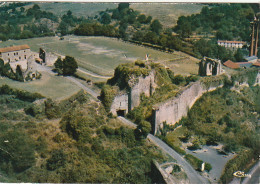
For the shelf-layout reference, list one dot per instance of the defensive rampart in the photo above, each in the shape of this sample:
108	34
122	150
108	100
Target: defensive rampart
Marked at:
130	98
172	110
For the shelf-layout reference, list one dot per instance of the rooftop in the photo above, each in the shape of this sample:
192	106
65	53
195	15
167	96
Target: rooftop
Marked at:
226	41
231	64
14	48
257	64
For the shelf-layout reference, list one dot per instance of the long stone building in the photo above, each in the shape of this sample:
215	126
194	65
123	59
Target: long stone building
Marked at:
20	55
15	53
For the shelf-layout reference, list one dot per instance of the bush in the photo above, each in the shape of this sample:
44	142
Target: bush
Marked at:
107	96
19	150
52	110
57	159
194	161
178	80
208	166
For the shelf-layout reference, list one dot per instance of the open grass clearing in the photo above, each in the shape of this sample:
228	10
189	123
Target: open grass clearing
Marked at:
55	87
102	55
167	13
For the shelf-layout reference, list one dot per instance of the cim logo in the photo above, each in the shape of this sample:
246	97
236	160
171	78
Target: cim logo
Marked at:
241	174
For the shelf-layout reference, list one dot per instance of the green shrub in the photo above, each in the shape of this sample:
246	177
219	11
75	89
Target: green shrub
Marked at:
107	96
208	166
52	110
194	161
57	160
236	164
19	150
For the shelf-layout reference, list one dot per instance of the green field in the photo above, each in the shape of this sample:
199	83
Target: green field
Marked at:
167	13
50	86
102	55
79	9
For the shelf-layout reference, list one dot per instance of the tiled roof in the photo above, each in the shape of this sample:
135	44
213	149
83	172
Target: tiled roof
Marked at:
14	48
226	41
257	64
231	64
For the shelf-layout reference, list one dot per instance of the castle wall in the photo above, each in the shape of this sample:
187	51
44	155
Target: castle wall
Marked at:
174	109
145	85
120	102
47	58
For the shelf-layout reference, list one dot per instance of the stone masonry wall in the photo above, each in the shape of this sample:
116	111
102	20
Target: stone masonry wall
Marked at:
174	109
120	103
144	85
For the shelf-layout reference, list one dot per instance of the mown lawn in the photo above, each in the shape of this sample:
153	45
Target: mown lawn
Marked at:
102	55
49	86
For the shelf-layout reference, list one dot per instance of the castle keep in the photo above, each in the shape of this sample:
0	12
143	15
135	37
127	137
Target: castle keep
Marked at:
126	100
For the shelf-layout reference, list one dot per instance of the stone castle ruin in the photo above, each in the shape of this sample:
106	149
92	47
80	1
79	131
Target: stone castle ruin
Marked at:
129	98
208	67
173	109
47	58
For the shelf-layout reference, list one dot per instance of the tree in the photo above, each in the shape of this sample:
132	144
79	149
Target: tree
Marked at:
19	73
239	55
19	150
122	6
148	20
156	26
1	66
142	19
69	65
144	127
105	19
59	66
150	37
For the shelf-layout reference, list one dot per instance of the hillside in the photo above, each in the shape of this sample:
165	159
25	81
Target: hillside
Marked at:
73	141
78	9
167	13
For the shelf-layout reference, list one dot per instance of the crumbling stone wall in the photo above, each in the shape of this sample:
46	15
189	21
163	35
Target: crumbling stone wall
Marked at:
47	58
209	66
120	102
175	108
145	85
131	97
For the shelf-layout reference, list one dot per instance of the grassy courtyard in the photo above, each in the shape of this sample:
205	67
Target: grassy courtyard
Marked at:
101	54
50	86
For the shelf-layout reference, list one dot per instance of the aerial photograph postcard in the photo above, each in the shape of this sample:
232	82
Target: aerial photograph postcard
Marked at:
129	92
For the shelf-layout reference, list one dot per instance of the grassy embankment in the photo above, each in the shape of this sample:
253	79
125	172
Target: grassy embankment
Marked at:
70	141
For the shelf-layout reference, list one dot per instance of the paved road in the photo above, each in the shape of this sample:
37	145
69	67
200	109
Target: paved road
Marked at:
193	176
255	175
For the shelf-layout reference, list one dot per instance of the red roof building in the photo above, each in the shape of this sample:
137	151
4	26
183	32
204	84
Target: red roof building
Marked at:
231	64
